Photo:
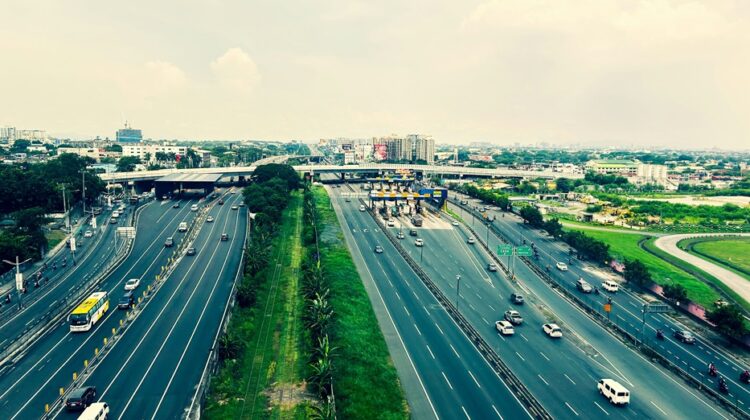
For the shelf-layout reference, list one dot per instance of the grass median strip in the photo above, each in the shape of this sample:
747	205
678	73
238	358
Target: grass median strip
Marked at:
267	380
365	380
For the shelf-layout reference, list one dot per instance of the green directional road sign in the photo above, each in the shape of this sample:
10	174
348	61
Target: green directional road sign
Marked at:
504	250
524	251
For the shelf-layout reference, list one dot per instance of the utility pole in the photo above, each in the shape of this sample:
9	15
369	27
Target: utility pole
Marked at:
19	278
65	209
83	189
458	287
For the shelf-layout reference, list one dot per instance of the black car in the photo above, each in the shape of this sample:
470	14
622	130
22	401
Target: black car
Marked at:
127	300
413	232
516	298
224	237
221	202
80	398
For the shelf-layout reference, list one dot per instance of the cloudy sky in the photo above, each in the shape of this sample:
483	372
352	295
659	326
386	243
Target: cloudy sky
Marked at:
608	72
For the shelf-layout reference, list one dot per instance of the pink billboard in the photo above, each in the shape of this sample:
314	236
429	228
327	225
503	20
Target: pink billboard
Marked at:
379	151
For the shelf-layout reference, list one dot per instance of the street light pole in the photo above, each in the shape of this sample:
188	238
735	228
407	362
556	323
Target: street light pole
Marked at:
83	190
421	253
19	278
458	288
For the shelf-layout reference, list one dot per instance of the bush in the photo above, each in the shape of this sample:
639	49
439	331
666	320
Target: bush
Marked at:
729	321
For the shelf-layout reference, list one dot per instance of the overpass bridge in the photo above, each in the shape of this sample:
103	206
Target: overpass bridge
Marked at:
370	168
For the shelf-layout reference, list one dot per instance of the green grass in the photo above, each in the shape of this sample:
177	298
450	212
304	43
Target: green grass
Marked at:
54	237
627	246
277	383
734	253
454	215
365	381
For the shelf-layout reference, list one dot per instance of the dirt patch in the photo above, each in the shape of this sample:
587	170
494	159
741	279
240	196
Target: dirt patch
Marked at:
288	396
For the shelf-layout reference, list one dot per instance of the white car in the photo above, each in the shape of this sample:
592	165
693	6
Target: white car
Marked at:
194	207
552	330
88	234
610	286
562	266
132	284
400	235
234	207
613	391
419	242
362	207
391	223
471	240
209	219
504	328
454	223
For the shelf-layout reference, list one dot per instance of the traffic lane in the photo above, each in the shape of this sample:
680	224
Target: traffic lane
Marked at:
72	349
538	360
649	379
150	393
128	359
469	377
58	285
456	373
174	396
627	313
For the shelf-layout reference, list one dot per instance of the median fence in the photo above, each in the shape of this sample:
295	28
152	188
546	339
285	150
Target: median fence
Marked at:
89	365
501	369
47	321
689	373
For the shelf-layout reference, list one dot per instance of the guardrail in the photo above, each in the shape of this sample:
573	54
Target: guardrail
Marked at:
618	331
109	342
493	359
60	308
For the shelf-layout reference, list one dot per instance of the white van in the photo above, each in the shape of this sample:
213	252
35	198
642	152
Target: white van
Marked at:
96	411
194	207
182	227
611	286
613	391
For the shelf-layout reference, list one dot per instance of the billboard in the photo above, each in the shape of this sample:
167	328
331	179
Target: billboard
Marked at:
379	152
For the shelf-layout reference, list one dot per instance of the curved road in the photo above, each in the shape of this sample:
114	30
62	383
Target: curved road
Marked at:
738	283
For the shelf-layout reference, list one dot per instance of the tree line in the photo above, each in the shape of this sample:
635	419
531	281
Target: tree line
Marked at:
31	191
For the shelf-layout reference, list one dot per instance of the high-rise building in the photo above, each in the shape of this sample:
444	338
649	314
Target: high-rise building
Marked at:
129	135
424	148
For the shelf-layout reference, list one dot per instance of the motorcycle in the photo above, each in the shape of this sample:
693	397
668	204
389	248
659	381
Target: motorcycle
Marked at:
712	370
659	335
745	377
723	387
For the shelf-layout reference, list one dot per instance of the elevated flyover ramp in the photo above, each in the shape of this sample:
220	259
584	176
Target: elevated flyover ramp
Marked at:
177	183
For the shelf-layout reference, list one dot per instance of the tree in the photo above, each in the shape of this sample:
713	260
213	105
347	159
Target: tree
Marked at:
113	148
728	320
532	216
553	227
274	170
636	272
127	163
564	185
676	292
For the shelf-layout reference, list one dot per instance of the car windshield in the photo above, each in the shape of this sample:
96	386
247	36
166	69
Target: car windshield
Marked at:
79	319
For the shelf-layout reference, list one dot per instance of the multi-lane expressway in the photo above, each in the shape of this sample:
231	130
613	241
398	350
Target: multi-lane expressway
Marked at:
562	374
451	376
626	305
151	368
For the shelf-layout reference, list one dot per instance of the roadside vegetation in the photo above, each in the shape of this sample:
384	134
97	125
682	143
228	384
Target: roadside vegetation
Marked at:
362	376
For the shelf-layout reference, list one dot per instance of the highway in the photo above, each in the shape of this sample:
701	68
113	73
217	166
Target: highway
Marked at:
60	283
38	378
626	312
456	379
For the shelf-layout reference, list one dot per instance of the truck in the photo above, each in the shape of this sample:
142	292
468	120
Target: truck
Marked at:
416	220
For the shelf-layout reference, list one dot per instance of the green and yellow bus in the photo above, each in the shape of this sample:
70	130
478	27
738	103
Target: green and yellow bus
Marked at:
88	312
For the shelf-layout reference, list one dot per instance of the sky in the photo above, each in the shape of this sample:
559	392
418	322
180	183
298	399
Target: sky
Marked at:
669	73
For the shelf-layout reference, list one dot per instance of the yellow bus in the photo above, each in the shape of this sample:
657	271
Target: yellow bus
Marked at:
88	312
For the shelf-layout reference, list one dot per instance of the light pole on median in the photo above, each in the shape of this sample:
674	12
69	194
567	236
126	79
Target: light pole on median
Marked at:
458	288
421	253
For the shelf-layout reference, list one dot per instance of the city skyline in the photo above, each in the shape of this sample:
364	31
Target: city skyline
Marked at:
607	73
